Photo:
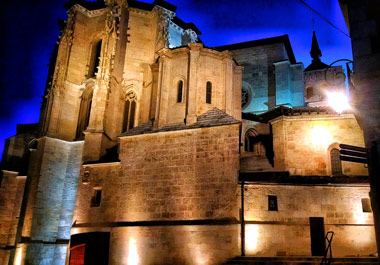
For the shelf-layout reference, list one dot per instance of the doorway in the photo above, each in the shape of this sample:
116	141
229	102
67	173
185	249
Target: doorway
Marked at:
317	235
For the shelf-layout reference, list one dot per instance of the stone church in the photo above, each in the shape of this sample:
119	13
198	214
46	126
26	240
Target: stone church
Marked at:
153	148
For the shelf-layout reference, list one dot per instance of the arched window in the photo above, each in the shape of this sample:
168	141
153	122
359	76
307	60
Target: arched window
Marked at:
84	112
95	59
180	91
208	92
336	164
129	111
309	92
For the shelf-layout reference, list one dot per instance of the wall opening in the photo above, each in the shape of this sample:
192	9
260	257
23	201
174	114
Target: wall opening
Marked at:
208	92
96	248
366	205
95	59
96	197
180	92
272	203
309	92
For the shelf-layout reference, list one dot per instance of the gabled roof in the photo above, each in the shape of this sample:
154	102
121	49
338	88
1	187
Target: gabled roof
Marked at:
211	118
254	43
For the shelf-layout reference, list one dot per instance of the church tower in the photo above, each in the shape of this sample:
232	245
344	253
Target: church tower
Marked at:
320	78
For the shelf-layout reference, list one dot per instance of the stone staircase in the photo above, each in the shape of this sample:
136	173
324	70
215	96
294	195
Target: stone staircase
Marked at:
301	261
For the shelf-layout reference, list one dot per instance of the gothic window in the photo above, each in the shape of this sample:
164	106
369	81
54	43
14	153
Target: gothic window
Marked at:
95	59
309	92
84	112
336	164
129	111
180	91
208	92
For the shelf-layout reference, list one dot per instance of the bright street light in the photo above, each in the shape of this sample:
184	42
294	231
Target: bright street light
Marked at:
338	101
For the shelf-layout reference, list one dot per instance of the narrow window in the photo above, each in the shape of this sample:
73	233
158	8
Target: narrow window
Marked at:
129	112
309	92
336	164
272	203
84	112
180	91
366	205
96	198
208	92
95	59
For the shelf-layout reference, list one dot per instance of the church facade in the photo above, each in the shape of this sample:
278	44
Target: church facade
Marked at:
154	149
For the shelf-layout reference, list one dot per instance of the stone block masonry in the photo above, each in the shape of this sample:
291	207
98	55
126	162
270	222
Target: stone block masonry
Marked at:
183	176
54	201
11	193
287	230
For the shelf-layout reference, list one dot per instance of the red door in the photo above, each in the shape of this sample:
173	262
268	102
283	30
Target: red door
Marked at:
77	255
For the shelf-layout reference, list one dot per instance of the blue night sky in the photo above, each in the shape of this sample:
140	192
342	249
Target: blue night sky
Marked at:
29	30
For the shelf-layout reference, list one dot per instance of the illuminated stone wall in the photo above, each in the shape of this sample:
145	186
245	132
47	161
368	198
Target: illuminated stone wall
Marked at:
287	231
195	65
11	194
169	176
49	214
302	143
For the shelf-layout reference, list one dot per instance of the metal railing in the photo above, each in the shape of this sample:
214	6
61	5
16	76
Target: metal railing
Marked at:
329	237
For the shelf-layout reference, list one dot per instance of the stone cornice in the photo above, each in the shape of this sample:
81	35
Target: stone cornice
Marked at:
313	117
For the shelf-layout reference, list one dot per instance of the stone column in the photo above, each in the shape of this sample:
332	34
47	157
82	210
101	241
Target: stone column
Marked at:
228	83
164	83
192	87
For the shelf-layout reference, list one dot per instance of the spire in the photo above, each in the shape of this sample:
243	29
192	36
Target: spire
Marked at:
315	52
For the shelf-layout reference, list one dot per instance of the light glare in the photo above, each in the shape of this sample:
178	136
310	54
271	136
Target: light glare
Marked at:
320	136
133	257
251	237
338	101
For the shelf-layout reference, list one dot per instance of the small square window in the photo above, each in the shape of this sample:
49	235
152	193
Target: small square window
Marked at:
272	203
366	205
96	198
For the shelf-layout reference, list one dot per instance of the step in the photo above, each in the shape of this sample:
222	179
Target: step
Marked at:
299	260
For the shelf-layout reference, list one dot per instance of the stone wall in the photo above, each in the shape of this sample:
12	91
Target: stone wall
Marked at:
54	199
195	65
168	177
302	143
287	231
174	244
11	194
259	73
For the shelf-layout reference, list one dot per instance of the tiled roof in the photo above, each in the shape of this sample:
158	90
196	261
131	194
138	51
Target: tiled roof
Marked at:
285	111
211	118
